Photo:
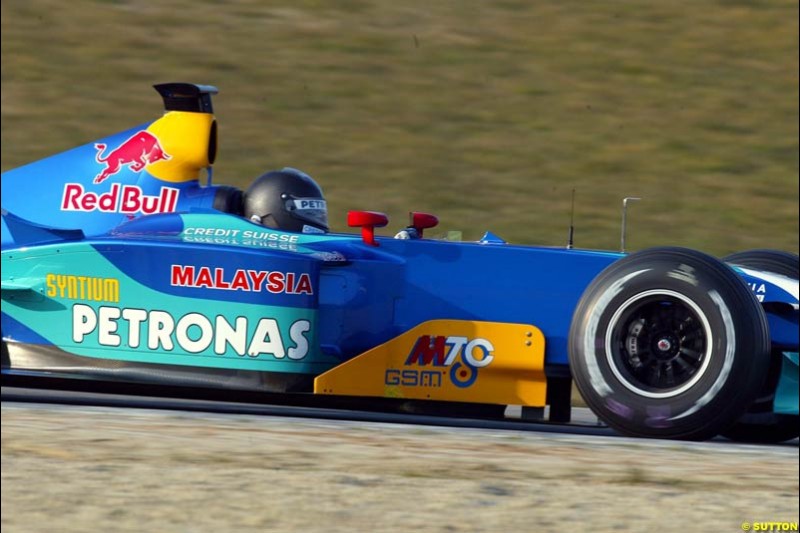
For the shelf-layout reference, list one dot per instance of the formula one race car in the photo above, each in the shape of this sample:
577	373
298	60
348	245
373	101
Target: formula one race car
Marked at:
118	265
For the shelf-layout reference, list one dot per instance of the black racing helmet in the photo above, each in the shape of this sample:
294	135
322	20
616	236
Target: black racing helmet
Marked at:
288	200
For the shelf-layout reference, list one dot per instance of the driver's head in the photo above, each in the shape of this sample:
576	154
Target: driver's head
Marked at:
287	200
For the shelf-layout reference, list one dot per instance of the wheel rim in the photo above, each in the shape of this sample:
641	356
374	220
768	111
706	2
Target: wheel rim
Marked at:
658	344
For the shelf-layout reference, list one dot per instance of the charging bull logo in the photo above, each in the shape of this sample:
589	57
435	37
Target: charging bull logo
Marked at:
140	150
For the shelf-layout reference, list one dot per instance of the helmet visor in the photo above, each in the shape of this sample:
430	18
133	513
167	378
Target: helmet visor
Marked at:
311	210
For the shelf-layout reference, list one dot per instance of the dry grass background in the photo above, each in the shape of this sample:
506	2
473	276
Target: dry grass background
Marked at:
486	113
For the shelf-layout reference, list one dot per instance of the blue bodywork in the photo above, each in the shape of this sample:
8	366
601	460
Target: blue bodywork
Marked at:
368	295
57	221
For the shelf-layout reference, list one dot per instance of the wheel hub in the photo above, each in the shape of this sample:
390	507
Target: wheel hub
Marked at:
661	343
666	346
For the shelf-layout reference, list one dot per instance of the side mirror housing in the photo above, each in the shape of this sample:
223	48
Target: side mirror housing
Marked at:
423	221
367	221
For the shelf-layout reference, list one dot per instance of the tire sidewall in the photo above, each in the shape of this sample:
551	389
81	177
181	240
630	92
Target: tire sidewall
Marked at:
774	261
713	400
760	424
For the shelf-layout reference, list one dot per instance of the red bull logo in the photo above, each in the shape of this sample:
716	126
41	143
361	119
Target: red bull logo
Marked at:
141	149
129	200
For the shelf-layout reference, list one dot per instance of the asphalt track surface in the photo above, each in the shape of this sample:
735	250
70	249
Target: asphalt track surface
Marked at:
117	460
583	423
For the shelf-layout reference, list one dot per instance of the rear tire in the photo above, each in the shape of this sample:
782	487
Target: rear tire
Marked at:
669	343
775	261
759	424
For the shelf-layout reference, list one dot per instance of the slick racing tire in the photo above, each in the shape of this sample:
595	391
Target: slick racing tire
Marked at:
775	261
759	424
669	343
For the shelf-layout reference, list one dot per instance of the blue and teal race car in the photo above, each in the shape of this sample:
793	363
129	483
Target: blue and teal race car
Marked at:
118	264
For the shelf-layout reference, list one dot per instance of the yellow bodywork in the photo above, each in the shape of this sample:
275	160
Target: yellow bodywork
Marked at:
449	360
186	137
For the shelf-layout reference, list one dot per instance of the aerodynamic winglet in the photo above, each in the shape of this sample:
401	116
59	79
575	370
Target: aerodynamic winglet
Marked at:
187	97
24	232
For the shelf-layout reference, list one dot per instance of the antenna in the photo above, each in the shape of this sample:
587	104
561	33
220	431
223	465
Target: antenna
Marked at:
570	239
625	218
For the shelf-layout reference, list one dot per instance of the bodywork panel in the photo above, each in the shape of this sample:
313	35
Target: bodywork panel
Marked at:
126	265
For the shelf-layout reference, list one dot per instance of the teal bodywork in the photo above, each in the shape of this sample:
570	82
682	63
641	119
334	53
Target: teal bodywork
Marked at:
786	394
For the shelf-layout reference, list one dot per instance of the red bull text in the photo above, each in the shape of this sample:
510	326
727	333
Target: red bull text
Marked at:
125	199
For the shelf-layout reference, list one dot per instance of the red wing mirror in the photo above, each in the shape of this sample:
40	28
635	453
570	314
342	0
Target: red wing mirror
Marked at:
423	221
367	221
